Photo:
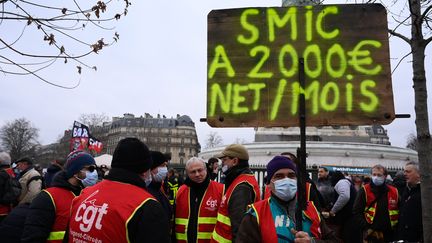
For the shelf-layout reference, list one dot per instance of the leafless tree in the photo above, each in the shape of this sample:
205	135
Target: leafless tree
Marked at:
36	35
416	15
19	137
93	119
412	142
213	140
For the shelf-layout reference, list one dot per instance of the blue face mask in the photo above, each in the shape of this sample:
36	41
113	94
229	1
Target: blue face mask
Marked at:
285	189
161	174
91	178
377	180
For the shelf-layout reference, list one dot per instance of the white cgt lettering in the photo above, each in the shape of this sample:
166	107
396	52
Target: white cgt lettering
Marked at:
89	215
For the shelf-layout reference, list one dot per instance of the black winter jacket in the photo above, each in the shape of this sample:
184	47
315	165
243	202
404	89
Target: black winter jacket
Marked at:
11	227
410	216
155	188
241	197
41	216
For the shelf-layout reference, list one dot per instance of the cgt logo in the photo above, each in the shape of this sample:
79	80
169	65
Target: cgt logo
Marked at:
212	203
89	214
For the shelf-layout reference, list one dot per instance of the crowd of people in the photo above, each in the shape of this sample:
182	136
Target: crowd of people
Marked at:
138	199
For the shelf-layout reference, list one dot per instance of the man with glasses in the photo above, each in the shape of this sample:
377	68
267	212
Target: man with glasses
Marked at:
197	204
241	190
273	219
49	211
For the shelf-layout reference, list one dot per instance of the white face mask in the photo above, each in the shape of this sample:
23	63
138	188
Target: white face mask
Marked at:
224	168
378	180
161	174
147	178
285	189
91	178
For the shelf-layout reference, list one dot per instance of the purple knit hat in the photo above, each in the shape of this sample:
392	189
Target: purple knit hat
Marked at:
277	163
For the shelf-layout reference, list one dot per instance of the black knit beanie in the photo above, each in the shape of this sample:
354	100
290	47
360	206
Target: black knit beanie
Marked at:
158	158
133	155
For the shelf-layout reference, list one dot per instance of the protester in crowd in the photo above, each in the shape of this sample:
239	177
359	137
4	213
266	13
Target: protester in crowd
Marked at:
120	206
173	183
53	168
30	180
159	172
241	190
325	188
340	215
49	212
376	208
5	173
399	182
314	195
102	172
273	219
212	168
197	204
410	228
11	227
358	182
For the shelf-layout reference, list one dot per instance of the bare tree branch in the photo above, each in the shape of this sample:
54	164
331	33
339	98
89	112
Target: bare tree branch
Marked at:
400	36
42	79
59	26
400	61
425	13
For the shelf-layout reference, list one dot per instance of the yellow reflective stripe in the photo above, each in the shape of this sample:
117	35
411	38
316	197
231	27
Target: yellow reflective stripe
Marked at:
56	235
181	236
219	238
393	212
204	235
181	221
371	209
223	219
207	220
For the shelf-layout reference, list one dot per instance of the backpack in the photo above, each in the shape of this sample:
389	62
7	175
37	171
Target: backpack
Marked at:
12	191
35	178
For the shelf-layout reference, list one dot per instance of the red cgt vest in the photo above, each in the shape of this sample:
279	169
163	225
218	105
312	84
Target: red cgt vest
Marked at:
101	213
222	231
207	212
62	200
267	224
392	200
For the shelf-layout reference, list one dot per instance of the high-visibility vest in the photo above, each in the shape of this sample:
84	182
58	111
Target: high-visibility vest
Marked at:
172	191
207	212
222	231
62	200
267	225
101	213
392	202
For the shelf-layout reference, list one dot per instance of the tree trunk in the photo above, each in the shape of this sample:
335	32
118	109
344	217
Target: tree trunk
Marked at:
418	46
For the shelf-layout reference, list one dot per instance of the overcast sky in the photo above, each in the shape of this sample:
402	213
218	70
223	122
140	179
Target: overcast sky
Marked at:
157	67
